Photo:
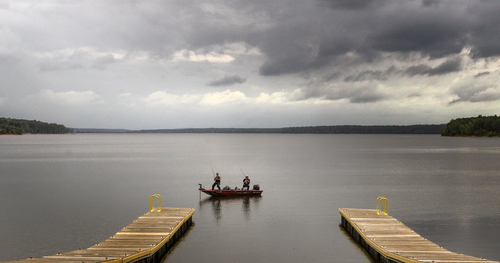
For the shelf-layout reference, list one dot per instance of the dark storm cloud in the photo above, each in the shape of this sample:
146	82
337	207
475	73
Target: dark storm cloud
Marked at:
452	65
434	38
365	96
352	93
227	81
435	29
485	29
294	36
371	75
295	47
367	75
478	75
349	4
479	93
449	66
430	2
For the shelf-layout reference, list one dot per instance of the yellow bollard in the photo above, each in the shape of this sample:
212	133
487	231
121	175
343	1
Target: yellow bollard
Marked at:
379	206
152	207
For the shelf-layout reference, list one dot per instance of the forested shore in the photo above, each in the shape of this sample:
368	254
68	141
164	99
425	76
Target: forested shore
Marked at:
338	129
480	126
19	126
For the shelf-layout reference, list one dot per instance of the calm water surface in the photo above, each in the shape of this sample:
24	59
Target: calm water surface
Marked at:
60	193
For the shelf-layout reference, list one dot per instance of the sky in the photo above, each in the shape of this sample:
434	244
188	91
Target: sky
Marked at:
248	63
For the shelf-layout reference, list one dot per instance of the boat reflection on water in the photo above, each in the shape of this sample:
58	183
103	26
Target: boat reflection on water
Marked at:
219	203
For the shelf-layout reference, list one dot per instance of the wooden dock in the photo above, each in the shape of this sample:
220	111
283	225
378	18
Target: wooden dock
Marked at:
147	239
387	240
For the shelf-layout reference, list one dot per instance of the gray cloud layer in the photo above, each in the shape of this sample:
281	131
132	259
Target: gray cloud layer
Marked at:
368	28
295	36
361	52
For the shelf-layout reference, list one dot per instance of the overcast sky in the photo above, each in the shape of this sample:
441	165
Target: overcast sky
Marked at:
254	63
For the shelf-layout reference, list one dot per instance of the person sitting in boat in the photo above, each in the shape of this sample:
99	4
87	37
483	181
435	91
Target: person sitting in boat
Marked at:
246	183
217	181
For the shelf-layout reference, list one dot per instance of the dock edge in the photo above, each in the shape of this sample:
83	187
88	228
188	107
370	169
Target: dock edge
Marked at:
156	253
376	248
376	253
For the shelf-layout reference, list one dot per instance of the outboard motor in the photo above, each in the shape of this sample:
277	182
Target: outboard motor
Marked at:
256	187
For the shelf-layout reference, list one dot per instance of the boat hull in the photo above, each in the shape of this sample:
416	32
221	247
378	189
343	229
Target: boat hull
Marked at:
232	193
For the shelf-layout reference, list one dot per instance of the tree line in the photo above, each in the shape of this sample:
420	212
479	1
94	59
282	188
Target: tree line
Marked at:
374	129
19	126
473	126
481	126
340	129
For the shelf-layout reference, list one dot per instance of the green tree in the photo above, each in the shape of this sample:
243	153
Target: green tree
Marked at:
475	126
19	126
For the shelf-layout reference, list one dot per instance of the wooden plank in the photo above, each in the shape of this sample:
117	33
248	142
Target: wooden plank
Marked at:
385	237
145	237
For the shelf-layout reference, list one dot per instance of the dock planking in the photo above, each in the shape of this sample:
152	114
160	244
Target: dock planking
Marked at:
147	239
388	240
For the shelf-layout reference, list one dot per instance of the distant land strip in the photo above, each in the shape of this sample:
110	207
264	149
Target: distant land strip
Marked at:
480	126
337	129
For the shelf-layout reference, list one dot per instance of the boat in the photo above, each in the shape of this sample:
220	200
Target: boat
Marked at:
227	192
232	192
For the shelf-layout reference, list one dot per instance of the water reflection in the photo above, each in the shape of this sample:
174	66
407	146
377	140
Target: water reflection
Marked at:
177	244
218	203
355	244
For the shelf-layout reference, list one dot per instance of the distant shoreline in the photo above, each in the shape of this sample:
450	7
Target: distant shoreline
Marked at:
338	129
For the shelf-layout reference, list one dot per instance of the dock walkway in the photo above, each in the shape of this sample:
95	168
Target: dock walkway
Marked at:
147	239
387	240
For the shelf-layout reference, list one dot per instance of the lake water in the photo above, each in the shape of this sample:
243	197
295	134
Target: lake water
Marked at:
60	193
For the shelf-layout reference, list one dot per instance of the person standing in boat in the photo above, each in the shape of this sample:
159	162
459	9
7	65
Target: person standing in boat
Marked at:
246	183
217	181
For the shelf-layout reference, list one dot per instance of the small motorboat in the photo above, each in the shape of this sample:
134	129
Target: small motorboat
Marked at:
226	191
